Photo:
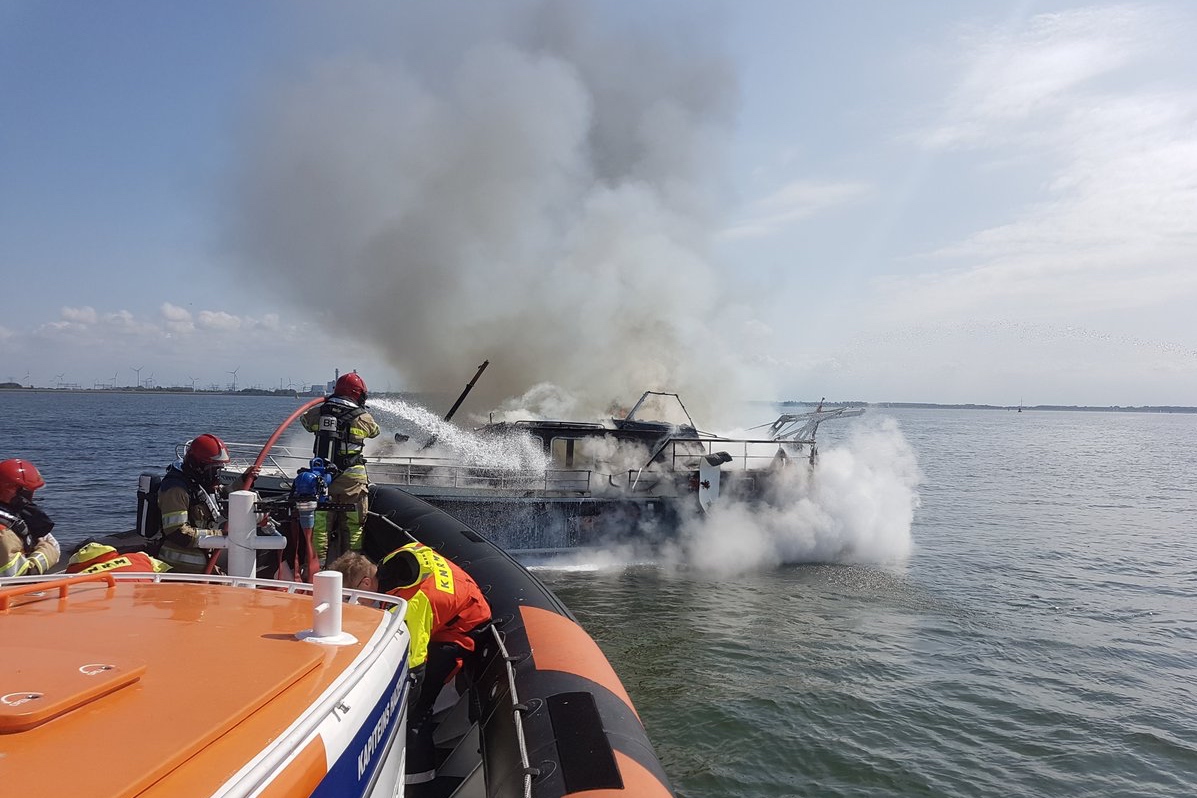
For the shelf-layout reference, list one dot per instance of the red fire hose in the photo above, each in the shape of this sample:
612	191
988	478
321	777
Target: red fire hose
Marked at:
251	473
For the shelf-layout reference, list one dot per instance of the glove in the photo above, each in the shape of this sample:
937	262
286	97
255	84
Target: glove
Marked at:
53	543
36	521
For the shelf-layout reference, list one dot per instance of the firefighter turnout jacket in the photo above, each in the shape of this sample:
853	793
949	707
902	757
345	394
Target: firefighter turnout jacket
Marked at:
15	560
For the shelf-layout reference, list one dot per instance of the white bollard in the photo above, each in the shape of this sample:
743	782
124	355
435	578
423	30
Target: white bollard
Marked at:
326	611
326	614
243	529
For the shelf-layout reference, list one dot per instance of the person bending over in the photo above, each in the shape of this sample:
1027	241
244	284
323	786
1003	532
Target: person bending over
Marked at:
444	608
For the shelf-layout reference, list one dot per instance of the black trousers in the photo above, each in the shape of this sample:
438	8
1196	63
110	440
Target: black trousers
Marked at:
442	659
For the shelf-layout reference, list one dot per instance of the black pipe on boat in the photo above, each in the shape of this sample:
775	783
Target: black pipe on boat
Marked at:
468	388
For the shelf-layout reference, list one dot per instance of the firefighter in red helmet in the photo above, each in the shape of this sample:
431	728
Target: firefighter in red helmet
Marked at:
187	501
342	426
26	545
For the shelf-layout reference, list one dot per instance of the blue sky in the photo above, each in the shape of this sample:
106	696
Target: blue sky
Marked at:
942	201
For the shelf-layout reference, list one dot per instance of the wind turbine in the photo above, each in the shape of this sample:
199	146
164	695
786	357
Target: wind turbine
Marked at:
193	381
58	378
233	389
137	370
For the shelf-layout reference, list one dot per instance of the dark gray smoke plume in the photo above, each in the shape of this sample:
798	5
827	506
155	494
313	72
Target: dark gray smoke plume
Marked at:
537	186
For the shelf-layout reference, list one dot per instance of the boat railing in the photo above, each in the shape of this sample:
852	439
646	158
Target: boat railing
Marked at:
799	426
686	454
675	455
447	474
282	460
427	472
63	583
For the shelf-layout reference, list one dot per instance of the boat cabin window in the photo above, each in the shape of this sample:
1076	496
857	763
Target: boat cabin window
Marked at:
581	452
586	452
563	451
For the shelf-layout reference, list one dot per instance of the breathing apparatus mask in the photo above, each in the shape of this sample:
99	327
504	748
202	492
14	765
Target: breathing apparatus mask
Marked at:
205	476
32	522
22	498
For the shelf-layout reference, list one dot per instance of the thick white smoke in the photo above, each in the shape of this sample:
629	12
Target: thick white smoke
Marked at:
538	188
537	185
855	507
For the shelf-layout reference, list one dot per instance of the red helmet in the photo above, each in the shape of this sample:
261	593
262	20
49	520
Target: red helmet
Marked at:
351	386
16	476
205	453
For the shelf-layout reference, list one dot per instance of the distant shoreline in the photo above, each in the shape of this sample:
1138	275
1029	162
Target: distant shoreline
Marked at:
787	403
1012	408
163	391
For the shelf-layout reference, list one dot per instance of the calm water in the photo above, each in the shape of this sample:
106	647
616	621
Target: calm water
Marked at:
1041	639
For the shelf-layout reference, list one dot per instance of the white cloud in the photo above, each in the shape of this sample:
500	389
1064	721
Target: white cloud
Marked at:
117	348
1112	227
218	320
84	315
177	320
797	200
270	321
1011	77
1070	274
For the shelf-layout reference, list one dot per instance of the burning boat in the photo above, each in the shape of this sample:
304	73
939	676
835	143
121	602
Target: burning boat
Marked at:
541	486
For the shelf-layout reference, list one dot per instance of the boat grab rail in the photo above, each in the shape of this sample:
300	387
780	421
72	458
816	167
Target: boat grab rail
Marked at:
416	470
62	585
24	585
286	459
456	475
242	455
745	458
517	710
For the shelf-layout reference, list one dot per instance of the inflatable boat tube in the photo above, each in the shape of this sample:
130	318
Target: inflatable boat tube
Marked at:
579	729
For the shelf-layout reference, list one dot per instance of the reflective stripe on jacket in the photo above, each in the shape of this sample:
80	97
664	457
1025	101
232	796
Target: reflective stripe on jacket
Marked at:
343	441
419	626
185	515
96	557
13	559
455	601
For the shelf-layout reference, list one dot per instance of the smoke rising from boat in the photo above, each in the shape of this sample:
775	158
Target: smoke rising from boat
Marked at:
537	185
856	506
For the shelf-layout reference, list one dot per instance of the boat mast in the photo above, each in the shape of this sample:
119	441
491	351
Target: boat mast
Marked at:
470	385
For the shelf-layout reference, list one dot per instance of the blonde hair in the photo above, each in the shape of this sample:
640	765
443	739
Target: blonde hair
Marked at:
354	566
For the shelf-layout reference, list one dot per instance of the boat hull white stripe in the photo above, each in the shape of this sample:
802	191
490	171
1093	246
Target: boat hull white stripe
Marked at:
338	719
355	772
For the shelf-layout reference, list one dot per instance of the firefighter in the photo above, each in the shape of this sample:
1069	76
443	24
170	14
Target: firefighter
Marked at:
187	501
26	546
445	608
342	425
